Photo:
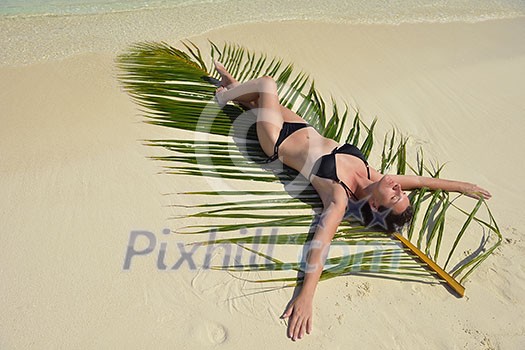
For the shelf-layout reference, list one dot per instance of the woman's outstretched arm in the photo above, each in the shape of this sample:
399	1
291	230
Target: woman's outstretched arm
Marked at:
410	182
299	311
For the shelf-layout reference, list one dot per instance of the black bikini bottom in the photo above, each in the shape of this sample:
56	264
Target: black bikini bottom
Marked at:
287	129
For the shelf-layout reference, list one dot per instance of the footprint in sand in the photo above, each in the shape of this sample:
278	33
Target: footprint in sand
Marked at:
217	333
210	333
479	340
416	289
363	289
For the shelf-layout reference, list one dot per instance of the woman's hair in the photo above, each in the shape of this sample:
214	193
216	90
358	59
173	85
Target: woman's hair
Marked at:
393	222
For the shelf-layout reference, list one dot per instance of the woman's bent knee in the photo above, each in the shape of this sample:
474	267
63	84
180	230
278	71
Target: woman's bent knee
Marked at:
268	84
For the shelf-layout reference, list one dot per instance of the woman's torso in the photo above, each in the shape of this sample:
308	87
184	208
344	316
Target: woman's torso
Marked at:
303	148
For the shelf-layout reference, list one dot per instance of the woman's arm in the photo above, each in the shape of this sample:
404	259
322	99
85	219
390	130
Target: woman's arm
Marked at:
300	309
410	182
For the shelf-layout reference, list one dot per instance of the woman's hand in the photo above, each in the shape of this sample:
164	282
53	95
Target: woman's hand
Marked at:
474	191
300	316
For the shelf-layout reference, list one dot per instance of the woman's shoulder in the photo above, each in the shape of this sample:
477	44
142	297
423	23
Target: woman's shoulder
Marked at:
328	190
374	174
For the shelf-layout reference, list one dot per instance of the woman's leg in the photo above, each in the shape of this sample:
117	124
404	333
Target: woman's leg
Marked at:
229	82
242	92
268	111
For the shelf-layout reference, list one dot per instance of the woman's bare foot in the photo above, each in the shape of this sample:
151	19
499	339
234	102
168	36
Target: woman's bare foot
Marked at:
229	82
226	79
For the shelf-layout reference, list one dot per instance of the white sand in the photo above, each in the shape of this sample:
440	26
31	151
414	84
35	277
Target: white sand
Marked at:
76	181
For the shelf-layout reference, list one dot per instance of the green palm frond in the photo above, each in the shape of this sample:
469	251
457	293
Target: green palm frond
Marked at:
175	88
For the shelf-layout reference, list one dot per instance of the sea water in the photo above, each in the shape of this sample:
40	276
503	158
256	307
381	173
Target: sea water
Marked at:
40	30
356	11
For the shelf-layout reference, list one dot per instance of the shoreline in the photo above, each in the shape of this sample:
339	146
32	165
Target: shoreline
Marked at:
32	39
479	18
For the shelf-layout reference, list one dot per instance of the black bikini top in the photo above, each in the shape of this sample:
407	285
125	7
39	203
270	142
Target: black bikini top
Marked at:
325	166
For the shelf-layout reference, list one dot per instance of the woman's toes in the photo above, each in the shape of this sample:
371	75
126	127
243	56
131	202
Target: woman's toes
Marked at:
219	66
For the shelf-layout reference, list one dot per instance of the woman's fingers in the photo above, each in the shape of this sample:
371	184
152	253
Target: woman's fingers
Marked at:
476	192
309	325
288	312
300	328
298	325
292	322
299	313
481	192
293	327
297	329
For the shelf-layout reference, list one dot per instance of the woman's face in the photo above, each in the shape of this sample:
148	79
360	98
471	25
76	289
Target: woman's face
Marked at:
388	193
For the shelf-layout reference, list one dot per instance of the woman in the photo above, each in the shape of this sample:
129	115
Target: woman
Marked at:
339	174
